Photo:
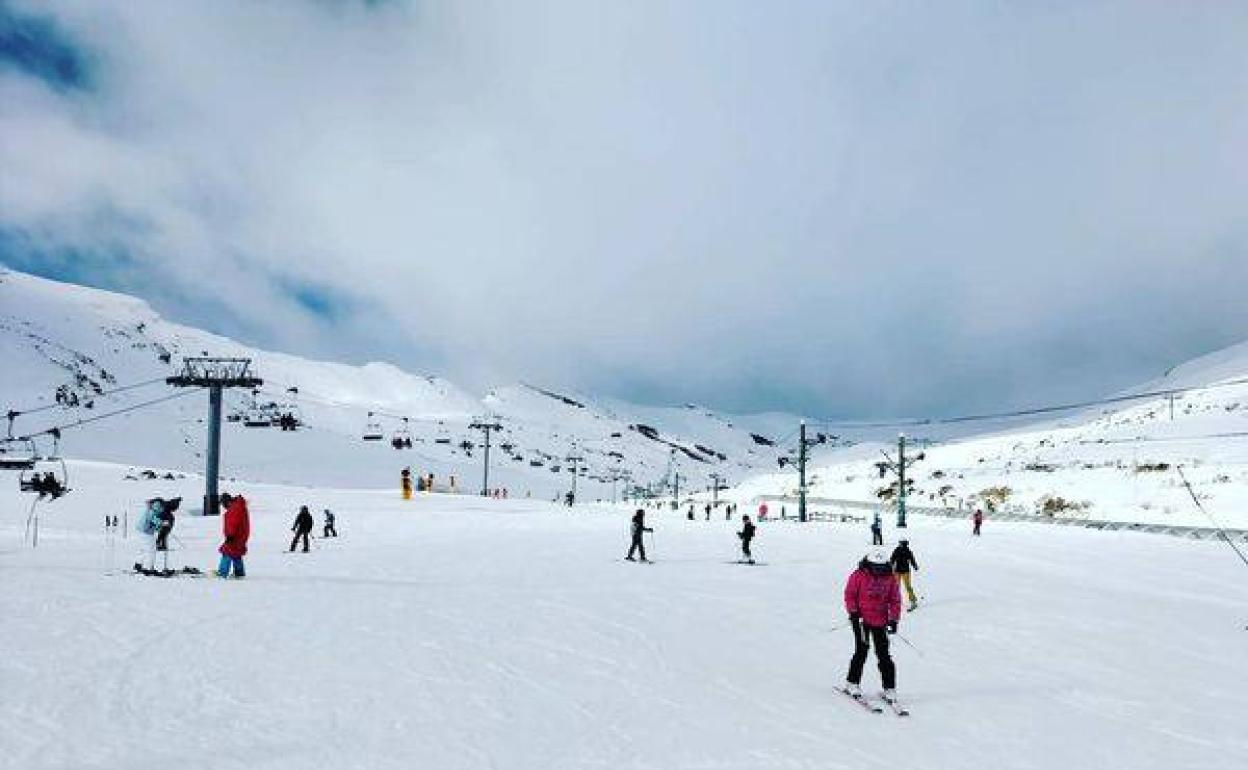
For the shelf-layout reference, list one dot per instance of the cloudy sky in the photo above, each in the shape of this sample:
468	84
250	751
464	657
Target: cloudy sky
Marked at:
840	208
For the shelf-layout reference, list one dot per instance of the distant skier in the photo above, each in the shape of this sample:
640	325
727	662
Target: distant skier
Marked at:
329	524
639	529
762	511
405	483
877	530
977	520
690	514
747	536
301	528
902	560
708	511
873	602
236	526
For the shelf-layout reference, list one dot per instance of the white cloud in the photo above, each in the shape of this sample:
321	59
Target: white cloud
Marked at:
864	207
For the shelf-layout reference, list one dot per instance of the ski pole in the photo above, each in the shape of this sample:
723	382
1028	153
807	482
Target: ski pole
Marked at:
909	643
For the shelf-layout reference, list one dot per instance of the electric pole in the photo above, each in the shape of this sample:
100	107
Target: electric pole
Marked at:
900	466
215	374
801	474
486	426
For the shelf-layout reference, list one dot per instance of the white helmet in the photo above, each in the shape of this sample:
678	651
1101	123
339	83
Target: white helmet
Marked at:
876	556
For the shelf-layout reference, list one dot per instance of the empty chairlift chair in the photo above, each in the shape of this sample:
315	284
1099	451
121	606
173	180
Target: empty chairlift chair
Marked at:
372	429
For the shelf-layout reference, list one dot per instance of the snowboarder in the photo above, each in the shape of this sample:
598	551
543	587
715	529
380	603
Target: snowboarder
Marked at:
639	529
329	524
236	526
301	528
877	530
902	560
873	602
746	534
978	521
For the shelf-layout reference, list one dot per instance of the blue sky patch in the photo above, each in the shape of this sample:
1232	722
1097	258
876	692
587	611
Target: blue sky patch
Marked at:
37	46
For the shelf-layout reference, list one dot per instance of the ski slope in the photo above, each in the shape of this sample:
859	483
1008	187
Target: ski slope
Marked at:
458	632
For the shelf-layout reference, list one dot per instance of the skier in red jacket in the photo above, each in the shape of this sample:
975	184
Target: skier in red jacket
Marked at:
236	525
873	602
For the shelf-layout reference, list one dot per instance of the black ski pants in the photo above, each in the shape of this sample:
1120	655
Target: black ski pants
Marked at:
330	531
638	545
301	534
745	547
877	536
864	637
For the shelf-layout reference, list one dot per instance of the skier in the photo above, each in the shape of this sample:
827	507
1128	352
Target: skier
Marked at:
329	524
405	483
690	514
902	560
762	511
147	526
708	511
639	529
301	528
978	521
873	602
746	534
877	530
236	526
166	523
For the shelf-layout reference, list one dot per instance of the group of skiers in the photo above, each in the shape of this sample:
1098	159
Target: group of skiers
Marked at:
46	485
637	544
156	523
872	597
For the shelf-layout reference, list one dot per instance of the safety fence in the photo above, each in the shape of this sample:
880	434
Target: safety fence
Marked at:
830	509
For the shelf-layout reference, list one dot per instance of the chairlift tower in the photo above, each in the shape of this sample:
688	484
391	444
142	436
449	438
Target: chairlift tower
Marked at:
576	460
215	374
487	426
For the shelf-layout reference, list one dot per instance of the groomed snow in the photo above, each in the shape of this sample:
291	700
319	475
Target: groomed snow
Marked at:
455	632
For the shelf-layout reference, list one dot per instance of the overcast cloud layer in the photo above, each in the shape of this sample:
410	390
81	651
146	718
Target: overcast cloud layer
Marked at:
839	208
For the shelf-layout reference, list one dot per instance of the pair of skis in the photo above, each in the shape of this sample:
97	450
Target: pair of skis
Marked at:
874	707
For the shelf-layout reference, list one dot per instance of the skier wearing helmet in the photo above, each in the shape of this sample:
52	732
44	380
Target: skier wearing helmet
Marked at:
873	602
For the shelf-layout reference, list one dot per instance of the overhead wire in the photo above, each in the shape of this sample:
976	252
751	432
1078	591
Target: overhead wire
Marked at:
1032	411
55	429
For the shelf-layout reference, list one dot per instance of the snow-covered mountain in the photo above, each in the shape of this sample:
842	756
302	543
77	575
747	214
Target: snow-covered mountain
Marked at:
1116	462
65	345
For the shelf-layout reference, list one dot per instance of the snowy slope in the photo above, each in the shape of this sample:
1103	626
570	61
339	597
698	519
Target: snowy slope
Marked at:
460	633
83	341
1113	463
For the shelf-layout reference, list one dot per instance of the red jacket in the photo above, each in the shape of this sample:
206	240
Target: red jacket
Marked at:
236	524
876	597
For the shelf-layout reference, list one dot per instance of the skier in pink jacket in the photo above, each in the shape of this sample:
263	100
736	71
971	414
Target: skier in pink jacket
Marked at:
873	601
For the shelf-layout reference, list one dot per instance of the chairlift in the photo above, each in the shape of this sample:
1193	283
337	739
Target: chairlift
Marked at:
258	415
402	438
17	454
372	429
46	476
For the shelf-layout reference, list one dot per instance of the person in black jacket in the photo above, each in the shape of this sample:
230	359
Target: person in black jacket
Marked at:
903	560
746	534
330	531
639	528
303	525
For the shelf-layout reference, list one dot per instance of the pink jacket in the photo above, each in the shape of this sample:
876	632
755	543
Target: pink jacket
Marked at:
876	597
